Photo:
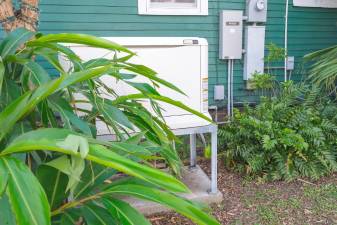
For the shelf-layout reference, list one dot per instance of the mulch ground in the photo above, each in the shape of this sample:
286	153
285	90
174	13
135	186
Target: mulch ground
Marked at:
252	202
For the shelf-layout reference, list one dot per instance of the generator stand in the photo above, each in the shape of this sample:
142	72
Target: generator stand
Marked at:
193	131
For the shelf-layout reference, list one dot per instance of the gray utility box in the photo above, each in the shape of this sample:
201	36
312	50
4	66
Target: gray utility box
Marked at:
256	11
231	34
254	57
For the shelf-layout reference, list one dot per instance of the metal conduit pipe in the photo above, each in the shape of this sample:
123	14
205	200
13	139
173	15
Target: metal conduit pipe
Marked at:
229	98
286	40
232	88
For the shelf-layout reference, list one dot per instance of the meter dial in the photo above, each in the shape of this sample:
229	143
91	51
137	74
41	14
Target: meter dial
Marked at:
260	5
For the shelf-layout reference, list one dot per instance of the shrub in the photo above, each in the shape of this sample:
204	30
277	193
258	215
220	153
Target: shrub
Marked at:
52	169
292	134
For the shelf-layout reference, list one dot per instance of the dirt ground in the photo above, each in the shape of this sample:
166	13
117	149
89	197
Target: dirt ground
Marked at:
252	202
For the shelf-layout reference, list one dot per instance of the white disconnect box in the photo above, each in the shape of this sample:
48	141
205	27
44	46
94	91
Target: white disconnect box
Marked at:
230	46
178	60
254	57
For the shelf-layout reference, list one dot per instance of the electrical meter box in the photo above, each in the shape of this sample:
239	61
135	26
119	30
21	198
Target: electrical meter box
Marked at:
256	11
231	34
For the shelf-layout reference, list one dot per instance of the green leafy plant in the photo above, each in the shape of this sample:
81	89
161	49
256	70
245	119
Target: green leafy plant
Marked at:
53	170
266	82
290	135
324	68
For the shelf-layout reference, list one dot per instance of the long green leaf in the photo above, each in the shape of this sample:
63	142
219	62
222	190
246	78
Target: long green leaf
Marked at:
51	139
27	197
6	215
83	75
152	75
92	178
54	183
14	40
38	74
96	215
2	74
70	217
82	39
66	112
3	178
24	104
125	213
184	207
162	99
14	111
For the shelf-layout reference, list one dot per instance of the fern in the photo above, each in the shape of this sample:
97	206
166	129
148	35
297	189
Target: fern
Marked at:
286	136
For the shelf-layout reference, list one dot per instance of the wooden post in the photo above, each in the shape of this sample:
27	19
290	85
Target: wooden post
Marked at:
27	16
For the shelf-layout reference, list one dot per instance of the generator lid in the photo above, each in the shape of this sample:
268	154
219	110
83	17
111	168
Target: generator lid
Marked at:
154	41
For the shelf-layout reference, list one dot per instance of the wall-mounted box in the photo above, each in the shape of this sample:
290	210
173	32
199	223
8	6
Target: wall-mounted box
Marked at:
219	92
231	34
256	11
254	45
290	63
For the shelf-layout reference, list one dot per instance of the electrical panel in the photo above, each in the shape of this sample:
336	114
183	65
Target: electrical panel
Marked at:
231	30
256	11
254	57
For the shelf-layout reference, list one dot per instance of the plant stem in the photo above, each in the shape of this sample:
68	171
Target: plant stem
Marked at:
76	203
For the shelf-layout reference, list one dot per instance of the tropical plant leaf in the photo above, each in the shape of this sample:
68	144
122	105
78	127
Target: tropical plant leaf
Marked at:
6	215
17	109
162	99
69	118
50	139
92	179
124	213
82	39
26	196
2	74
186	208
150	74
72	167
54	183
38	74
112	114
14	40
96	215
3	178
70	217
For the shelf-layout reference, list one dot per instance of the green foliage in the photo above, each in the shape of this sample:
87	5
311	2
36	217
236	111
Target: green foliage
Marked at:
53	170
286	136
324	68
266	82
275	53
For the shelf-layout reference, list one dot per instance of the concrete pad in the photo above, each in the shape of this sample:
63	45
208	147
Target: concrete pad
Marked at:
198	182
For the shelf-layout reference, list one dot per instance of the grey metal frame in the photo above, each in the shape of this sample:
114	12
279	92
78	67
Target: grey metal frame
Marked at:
193	131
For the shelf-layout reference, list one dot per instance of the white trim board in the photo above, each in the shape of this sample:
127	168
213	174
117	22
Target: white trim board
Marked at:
144	8
316	3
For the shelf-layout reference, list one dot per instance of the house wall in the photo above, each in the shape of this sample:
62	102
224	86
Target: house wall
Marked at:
309	29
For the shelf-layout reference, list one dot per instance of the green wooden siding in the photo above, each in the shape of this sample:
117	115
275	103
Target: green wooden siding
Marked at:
309	29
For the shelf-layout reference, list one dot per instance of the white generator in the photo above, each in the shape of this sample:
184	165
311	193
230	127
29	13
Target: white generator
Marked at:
180	61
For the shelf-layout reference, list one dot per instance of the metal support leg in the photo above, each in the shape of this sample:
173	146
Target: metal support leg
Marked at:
193	150
214	161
